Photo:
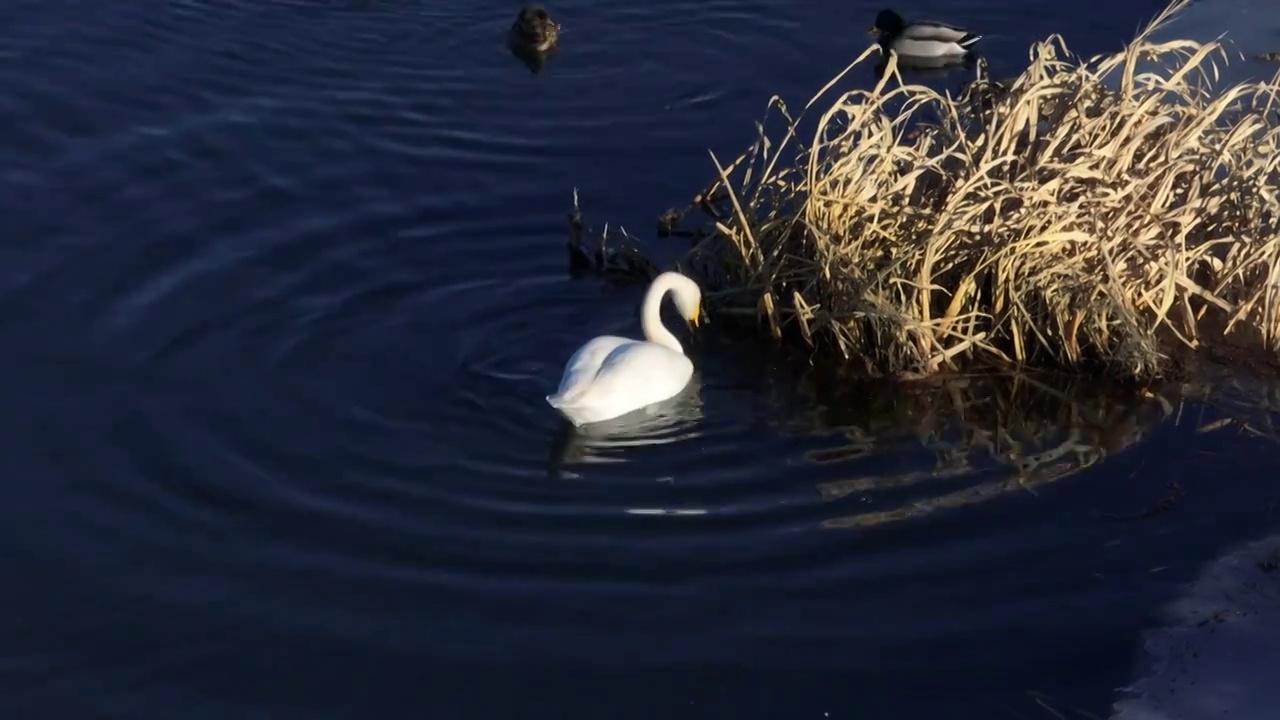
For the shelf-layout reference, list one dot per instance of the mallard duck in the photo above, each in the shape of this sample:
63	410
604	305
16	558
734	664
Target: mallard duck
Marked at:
922	39
534	29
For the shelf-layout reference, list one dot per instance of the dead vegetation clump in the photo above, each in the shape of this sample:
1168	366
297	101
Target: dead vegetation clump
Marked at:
1057	219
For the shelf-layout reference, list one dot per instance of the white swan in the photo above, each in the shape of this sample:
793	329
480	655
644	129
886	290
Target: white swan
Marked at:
611	376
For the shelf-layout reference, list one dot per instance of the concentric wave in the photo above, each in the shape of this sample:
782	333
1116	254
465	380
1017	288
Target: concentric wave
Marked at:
286	291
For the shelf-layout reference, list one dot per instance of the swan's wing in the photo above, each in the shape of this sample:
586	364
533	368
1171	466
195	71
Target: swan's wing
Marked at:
637	370
584	364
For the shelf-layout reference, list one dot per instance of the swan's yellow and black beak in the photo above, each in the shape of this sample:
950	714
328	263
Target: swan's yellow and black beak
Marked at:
696	317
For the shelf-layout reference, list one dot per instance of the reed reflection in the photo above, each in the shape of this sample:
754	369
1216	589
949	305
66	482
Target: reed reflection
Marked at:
991	436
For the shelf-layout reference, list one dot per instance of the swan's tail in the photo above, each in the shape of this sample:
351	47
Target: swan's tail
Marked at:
555	401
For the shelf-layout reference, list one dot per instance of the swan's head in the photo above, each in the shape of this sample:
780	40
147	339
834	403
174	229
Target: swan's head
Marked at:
686	294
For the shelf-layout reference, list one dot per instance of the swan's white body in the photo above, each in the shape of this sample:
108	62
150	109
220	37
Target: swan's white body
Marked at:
611	376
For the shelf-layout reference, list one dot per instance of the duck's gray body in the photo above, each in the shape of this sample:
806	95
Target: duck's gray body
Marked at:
933	39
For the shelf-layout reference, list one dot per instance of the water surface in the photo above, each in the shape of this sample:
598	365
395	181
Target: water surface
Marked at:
283	288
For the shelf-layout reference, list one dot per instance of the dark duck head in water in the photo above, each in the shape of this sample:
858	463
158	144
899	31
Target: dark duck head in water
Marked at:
534	29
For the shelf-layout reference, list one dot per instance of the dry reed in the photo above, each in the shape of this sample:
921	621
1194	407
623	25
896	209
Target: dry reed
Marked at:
1052	221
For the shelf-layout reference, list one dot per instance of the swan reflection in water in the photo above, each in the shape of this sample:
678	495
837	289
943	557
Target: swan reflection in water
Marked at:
670	421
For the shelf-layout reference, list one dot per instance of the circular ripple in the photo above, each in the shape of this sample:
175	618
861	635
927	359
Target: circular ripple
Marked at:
284	297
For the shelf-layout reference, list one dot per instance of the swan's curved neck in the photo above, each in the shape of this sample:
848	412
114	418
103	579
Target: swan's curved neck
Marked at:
651	316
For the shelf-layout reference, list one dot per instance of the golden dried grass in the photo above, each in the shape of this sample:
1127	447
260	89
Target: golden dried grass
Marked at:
1055	222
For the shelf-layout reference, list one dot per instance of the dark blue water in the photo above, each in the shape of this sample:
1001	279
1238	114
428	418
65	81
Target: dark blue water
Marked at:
282	288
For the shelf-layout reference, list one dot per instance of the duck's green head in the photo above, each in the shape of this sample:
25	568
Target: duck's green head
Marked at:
887	22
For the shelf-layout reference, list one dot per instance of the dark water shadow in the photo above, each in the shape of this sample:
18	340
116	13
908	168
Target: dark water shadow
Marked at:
976	438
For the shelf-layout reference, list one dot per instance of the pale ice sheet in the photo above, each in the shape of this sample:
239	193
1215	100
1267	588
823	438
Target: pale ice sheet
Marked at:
1218	654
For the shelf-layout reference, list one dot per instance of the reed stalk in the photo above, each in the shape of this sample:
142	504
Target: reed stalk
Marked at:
1106	213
